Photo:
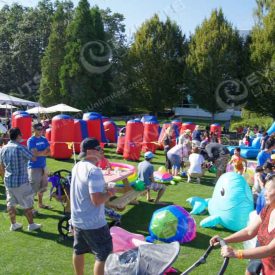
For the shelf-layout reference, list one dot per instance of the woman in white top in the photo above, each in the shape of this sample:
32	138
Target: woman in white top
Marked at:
195	170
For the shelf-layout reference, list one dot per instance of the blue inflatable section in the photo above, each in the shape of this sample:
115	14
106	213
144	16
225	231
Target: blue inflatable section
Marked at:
250	152
84	129
148	118
94	115
62	117
271	130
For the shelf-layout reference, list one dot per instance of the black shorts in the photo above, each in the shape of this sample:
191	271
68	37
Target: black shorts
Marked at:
96	241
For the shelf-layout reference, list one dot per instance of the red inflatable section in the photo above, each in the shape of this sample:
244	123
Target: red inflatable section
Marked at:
24	123
187	125
15	114
110	129
133	140
95	126
120	145
62	133
77	135
48	134
216	128
150	137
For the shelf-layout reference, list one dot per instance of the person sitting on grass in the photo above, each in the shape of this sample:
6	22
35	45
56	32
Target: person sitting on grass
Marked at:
196	160
238	161
146	174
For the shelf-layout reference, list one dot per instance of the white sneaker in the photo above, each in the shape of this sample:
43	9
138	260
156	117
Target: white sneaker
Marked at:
16	226
188	180
34	226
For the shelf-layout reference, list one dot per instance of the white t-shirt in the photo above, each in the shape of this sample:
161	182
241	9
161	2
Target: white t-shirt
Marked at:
196	160
179	150
86	179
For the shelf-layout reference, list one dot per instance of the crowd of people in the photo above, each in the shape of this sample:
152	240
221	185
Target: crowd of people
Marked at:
25	176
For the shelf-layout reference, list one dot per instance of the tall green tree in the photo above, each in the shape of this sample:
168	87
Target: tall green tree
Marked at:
86	58
262	79
54	56
263	7
24	35
213	63
156	58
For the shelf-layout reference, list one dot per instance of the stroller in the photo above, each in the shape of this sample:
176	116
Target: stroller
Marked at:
153	259
60	190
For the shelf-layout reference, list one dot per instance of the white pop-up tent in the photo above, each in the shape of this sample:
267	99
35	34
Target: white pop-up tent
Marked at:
8	99
37	110
62	108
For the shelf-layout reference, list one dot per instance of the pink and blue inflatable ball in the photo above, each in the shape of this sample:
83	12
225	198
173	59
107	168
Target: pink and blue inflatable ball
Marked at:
172	223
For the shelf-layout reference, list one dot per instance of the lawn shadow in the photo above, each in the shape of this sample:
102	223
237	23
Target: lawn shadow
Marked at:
200	242
208	181
68	242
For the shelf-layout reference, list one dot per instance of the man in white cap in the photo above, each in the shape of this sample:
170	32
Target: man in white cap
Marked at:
146	174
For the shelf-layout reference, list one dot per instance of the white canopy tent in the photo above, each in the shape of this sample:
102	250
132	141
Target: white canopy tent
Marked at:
62	108
37	110
7	106
8	99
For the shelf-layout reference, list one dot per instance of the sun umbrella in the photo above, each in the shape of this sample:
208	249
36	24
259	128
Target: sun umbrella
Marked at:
37	110
62	108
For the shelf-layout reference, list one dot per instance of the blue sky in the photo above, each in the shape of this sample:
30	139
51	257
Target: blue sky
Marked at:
187	13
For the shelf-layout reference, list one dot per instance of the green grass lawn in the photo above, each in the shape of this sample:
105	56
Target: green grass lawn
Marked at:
44	252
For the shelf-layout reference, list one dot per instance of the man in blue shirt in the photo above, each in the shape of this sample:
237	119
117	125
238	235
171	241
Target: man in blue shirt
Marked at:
38	176
265	155
146	174
13	160
88	196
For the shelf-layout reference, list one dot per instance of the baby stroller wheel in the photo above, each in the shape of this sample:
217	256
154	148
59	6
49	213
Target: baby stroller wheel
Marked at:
64	227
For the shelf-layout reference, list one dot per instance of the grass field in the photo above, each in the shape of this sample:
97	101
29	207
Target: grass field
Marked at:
41	253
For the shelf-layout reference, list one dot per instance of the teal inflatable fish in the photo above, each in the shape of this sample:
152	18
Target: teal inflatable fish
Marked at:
230	205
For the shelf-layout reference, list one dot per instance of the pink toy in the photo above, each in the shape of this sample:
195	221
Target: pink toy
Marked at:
124	240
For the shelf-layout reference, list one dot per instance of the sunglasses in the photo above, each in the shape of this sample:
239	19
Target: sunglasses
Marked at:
98	148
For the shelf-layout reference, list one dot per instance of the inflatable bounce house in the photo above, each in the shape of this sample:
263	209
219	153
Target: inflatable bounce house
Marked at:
187	126
230	205
23	121
95	126
216	128
62	135
251	152
150	136
133	140
80	133
110	130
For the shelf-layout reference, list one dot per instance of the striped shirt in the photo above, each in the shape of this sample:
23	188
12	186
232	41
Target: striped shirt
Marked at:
14	157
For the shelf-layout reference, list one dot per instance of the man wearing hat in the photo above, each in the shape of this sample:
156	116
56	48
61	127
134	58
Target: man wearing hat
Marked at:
38	175
146	174
88	196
